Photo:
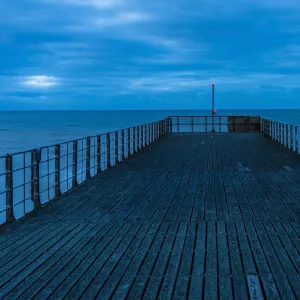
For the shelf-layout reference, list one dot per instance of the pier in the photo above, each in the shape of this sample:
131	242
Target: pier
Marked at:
183	208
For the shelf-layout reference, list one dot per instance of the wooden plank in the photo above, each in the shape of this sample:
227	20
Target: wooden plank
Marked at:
105	282
161	264
68	277
128	278
239	284
254	288
168	284
140	284
196	286
183	276
132	231
59	261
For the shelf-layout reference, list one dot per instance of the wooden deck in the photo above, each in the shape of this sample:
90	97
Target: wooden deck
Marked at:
193	216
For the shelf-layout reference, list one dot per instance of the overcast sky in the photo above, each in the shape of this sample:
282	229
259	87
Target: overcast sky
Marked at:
156	54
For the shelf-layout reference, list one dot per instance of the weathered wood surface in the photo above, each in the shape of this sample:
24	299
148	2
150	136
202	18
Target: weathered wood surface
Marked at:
194	216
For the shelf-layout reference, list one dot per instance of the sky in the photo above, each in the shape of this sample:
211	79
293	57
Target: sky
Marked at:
133	54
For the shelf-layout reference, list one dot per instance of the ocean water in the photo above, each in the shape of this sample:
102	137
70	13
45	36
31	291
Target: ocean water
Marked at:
20	131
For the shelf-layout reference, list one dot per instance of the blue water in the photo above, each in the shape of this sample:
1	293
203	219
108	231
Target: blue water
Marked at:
21	131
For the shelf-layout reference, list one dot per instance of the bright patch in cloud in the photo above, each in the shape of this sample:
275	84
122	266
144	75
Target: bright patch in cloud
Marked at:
40	81
123	19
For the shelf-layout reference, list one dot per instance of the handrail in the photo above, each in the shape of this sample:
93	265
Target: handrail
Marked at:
288	135
31	178
215	123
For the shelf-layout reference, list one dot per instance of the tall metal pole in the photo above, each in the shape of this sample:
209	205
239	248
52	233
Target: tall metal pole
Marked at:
213	98
213	107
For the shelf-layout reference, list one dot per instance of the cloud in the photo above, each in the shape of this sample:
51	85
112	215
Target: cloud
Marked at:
99	4
106	47
40	81
122	18
287	57
196	81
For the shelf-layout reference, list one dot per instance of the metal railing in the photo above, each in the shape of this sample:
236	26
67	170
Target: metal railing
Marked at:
31	178
287	135
214	123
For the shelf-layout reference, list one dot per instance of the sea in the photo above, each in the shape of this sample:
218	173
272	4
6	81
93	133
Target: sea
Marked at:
25	130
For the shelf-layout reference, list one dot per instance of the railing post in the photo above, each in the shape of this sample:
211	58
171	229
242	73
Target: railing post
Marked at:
134	139
148	134
116	160
271	129
177	124
297	133
282	134
108	150
57	171
128	142
35	173
290	137
10	217
170	124
74	168
192	122
160	129
166	126
123	145
98	154
145	135
286	135
138	138
142	136
88	158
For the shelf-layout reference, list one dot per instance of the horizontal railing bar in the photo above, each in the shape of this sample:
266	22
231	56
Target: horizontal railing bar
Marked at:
216	116
216	123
